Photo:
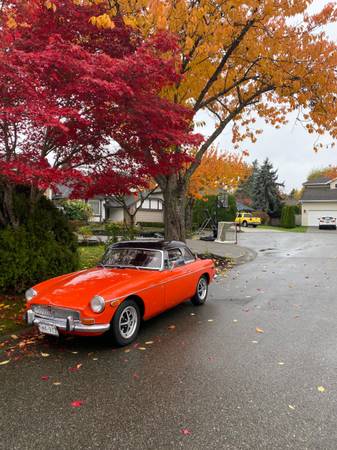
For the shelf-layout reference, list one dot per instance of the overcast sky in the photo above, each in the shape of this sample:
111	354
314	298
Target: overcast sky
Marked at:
289	148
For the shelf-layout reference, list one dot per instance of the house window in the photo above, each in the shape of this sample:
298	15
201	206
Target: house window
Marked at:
153	204
95	206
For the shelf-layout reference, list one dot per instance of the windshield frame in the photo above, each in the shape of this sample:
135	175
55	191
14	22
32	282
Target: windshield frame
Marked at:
161	252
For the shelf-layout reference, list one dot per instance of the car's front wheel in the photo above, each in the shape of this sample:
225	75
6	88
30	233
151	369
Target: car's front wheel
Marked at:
244	223
125	323
201	292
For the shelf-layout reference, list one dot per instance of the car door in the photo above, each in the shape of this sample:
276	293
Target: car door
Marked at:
179	284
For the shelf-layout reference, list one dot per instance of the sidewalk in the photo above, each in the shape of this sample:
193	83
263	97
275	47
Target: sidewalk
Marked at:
238	254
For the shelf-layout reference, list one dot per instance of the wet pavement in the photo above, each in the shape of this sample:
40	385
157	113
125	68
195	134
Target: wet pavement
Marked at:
254	368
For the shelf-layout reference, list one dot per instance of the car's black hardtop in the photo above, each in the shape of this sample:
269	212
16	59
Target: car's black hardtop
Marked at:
155	244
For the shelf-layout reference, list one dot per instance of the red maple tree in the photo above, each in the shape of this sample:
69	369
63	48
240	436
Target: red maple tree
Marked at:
77	103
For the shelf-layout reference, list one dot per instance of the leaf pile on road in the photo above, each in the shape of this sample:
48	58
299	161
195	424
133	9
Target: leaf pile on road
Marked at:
222	264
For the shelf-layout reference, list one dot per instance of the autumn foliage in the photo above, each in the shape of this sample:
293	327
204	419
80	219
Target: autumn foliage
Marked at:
76	99
218	170
241	61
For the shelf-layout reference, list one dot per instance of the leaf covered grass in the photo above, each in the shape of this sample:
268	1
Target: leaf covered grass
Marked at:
11	311
90	255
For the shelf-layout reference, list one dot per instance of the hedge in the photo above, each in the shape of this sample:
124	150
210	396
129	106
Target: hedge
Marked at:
288	217
43	246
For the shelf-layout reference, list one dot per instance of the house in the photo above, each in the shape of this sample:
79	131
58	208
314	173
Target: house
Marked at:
107	208
319	199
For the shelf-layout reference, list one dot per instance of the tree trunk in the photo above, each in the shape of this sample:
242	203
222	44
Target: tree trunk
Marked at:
8	205
189	213
174	193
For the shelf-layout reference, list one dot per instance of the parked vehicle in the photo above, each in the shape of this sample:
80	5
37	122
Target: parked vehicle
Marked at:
136	280
327	222
247	219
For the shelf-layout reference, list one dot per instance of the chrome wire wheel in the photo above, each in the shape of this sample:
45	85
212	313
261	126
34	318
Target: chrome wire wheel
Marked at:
128	322
202	288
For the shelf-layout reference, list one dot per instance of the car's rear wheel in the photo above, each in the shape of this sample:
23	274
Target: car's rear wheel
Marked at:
254	226
125	323
244	223
201	292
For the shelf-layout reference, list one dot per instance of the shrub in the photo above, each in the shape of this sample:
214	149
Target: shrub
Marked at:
116	230
288	217
42	247
151	224
223	215
76	210
265	218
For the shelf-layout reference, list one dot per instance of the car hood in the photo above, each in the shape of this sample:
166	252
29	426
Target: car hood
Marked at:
78	288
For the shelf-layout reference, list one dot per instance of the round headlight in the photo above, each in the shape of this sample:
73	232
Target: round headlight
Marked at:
97	304
30	294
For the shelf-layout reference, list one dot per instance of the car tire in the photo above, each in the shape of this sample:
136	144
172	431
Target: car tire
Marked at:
254	226
244	223
201	291
125	323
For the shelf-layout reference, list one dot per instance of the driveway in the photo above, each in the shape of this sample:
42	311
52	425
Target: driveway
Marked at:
254	368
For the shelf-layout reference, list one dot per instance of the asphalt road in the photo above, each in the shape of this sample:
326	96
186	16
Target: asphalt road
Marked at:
209	380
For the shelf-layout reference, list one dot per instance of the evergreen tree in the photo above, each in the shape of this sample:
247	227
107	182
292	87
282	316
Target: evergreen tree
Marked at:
265	192
245	189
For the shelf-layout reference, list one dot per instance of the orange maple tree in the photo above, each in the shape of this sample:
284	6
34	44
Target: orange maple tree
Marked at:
218	170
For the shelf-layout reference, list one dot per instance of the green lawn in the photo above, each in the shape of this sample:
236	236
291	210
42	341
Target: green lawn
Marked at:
90	255
298	229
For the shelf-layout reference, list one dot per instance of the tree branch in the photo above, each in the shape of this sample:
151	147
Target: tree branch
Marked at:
222	63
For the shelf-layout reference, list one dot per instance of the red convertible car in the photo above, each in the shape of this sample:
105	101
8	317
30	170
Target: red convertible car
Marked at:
136	280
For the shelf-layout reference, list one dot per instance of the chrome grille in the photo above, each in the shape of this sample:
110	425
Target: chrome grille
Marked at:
52	312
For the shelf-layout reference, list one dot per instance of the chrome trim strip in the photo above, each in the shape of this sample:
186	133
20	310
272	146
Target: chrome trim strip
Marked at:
66	324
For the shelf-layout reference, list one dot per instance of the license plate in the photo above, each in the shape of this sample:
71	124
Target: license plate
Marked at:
48	329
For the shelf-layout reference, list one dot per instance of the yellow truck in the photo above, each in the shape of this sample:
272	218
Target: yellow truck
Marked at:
247	219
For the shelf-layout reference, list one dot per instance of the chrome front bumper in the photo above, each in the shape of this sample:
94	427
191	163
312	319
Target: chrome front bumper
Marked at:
68	324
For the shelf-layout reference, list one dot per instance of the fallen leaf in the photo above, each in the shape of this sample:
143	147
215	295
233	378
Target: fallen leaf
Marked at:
171	327
95	359
259	330
135	376
77	403
74	353
149	342
321	389
185	432
192	314
141	348
127	350
255	342
234	320
56	383
280	363
2	363
45	378
14	336
45	355
210	320
75	368
291	406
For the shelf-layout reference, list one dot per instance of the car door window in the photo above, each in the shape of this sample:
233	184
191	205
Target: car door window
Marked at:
188	255
174	254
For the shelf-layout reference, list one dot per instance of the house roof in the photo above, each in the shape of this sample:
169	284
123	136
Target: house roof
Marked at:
318	181
319	194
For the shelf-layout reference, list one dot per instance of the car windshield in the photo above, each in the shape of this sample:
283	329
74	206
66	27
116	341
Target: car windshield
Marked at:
132	257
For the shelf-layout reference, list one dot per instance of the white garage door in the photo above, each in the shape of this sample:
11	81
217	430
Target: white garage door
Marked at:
313	216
